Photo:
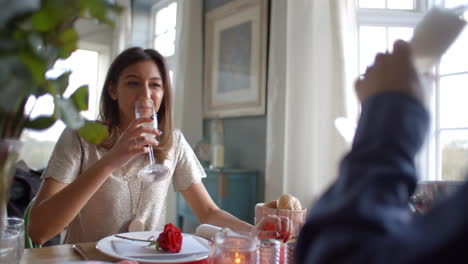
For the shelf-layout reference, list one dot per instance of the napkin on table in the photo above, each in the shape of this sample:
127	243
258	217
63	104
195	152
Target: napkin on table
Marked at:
207	231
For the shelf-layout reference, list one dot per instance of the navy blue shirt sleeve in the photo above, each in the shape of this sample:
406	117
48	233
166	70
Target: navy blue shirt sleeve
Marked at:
364	216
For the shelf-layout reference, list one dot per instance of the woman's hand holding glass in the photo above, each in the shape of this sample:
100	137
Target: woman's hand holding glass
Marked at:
132	143
274	226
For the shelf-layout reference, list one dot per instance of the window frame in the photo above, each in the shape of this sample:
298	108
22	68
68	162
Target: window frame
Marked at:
429	160
103	64
170	60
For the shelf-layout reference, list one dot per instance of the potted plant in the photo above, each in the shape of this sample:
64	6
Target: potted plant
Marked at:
33	35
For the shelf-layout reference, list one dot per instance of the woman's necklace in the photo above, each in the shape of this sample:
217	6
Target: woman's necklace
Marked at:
136	224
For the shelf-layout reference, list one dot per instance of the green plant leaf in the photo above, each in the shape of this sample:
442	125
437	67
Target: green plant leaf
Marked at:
59	85
41	122
102	10
35	64
11	97
67	111
50	55
97	9
80	98
46	19
32	39
36	43
93	132
69	40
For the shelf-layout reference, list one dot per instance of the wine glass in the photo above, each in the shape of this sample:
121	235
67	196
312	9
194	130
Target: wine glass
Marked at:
144	107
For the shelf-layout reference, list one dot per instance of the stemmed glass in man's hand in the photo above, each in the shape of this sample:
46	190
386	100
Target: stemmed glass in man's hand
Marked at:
154	172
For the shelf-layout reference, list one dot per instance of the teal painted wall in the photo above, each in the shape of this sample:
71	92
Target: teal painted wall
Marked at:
244	137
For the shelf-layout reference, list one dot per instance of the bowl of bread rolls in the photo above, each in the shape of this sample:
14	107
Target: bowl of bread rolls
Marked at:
286	205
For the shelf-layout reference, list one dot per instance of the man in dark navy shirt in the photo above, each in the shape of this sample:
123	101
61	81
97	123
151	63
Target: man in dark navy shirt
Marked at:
364	217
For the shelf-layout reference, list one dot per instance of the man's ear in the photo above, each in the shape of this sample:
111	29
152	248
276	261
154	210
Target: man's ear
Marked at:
112	90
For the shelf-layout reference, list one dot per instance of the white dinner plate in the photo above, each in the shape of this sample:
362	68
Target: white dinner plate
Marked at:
193	248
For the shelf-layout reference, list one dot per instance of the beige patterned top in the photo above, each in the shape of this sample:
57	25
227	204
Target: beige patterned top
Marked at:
109	211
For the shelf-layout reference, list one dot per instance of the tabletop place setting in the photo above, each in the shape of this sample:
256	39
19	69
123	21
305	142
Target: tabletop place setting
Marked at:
209	244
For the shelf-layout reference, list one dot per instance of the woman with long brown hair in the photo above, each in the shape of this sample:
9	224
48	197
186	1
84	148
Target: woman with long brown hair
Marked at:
94	189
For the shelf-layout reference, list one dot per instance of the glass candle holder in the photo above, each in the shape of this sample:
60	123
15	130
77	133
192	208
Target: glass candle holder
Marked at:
235	248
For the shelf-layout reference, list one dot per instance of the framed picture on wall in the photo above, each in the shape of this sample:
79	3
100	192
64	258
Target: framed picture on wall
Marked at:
235	59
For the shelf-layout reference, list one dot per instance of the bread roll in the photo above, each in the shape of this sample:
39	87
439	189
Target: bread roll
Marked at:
289	202
272	204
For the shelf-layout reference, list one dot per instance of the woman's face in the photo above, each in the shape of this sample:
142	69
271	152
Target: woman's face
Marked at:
142	79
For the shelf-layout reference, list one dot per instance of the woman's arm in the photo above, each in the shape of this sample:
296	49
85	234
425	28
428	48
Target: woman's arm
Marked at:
57	203
208	212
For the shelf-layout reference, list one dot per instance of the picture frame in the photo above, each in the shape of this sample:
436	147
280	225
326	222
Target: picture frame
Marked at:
235	59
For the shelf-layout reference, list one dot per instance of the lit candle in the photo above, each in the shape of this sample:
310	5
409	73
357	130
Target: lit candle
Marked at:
248	257
237	258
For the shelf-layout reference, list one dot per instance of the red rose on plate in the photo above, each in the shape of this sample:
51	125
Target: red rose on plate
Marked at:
170	239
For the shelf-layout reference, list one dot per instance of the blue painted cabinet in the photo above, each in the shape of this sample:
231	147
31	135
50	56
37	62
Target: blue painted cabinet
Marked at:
234	191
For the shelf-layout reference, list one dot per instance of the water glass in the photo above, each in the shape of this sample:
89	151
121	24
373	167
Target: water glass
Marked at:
289	249
269	251
11	240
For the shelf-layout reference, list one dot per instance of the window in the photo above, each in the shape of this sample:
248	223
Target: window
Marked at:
88	66
164	31
380	23
451	124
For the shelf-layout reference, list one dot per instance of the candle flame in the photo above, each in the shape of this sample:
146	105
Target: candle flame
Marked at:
237	259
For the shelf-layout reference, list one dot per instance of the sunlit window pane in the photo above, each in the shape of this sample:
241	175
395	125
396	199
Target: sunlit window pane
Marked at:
171	35
84	67
453	98
454	152
396	33
454	3
372	3
165	30
164	45
400	4
456	58
171	15
371	41
162	17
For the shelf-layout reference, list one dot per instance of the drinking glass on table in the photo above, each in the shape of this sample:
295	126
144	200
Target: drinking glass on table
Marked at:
144	107
11	240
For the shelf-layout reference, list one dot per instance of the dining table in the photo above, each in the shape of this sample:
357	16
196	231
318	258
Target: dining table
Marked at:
65	253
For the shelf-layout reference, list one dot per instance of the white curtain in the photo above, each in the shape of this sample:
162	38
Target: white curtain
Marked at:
187	82
122	29
311	70
188	70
